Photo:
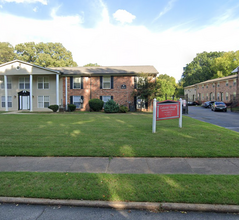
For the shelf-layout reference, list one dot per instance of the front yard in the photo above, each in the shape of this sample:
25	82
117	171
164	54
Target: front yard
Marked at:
112	135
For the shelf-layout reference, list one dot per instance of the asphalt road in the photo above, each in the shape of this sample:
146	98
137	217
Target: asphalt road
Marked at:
40	212
229	120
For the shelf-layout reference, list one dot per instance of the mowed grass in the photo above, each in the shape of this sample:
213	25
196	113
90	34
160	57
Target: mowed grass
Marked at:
113	135
209	189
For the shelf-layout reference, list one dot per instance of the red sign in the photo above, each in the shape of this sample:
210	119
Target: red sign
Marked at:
167	110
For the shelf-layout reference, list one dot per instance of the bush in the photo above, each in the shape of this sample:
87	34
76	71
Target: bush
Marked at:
96	104
123	109
54	108
71	107
111	106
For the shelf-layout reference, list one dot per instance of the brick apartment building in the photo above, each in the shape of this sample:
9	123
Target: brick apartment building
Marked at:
221	89
27	86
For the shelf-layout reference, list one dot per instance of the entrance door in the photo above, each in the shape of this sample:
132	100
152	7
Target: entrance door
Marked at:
25	102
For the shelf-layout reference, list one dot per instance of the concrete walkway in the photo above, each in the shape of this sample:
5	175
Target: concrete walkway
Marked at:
122	165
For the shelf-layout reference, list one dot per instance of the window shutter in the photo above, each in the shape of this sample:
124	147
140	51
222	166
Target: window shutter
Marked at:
71	82
135	82
82	97
146	105
112	82
135	102
100	97
112	97
101	80
82	83
71	99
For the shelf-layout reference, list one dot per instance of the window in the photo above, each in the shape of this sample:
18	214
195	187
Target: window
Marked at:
24	83
140	103
43	82
207	86
213	85
218	96
234	82
9	83
106	98
202	86
43	101
106	82
78	101
218	84
77	83
226	95
227	83
9	101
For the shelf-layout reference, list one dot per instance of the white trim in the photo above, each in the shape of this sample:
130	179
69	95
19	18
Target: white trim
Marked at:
57	89
6	94
31	93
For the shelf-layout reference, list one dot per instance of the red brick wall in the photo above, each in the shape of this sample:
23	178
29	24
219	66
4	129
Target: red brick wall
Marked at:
91	90
221	89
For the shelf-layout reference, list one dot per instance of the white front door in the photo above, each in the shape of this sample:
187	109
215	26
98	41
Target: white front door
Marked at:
24	102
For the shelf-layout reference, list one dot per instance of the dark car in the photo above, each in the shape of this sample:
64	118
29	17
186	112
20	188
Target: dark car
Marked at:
219	106
205	104
193	103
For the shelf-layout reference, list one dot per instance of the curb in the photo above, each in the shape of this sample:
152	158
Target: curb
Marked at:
126	205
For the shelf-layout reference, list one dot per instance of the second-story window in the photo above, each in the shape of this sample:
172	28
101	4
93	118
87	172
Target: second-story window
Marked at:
43	82
24	83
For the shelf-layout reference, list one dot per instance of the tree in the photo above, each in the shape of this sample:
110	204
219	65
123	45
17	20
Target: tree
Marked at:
200	69
224	65
6	52
91	64
145	88
45	54
165	87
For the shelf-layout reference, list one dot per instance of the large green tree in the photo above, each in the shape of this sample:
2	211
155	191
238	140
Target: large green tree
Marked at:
45	54
92	65
165	87
224	65
6	52
200	69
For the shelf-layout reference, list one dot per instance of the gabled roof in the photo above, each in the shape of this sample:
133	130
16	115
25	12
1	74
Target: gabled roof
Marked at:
235	70
107	70
29	64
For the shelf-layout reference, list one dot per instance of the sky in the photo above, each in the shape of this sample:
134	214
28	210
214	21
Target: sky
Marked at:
164	33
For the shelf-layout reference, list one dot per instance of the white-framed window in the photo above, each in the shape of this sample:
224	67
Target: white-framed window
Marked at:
213	85
227	83
106	84
226	95
218	96
213	96
24	83
207	86
77	101
140	103
234	82
76	82
9	83
43	82
9	101
218	84
43	101
202	86
202	96
106	98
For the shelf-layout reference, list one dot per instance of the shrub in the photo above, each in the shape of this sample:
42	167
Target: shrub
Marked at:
96	104
54	108
111	106
71	107
123	109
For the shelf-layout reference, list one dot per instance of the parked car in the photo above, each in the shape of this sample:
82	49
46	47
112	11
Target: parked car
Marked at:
205	104
193	103
219	106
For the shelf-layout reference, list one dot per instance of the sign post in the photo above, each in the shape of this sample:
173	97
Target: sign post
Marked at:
166	110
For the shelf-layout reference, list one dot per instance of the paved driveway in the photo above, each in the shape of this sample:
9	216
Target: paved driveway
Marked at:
229	120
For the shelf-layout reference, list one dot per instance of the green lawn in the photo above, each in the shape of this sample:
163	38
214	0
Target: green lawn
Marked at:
210	189
123	135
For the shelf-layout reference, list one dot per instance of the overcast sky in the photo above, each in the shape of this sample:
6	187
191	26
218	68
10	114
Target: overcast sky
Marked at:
164	33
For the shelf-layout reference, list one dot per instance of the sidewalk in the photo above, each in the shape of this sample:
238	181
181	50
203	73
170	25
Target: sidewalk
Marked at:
122	165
